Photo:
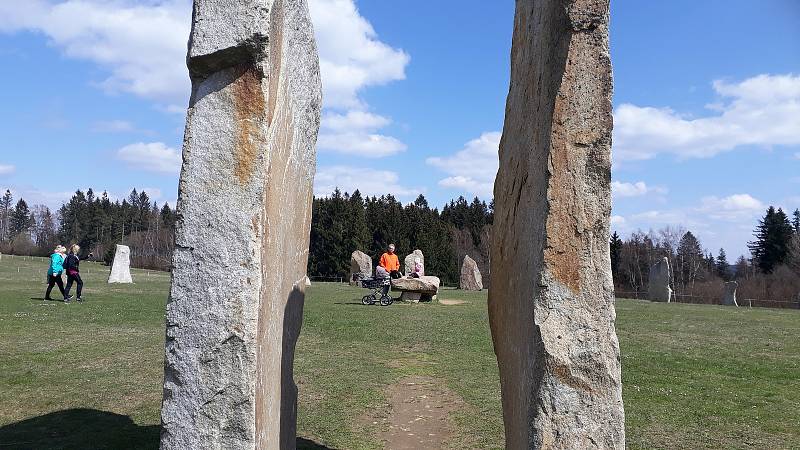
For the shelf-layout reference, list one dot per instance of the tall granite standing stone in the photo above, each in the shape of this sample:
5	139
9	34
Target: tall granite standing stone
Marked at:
408	263
658	289
729	298
241	244
551	302
470	279
121	267
360	267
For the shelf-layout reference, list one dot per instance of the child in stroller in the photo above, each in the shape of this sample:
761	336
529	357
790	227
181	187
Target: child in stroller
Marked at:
379	285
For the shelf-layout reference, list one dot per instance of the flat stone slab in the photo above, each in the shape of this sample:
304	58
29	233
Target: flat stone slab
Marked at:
423	285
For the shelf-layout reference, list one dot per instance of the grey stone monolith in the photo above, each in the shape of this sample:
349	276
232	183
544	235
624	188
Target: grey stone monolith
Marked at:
121	267
360	267
408	263
470	279
551	301
241	243
658	289
729	297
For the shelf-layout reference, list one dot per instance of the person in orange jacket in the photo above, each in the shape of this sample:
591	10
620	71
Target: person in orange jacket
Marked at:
391	263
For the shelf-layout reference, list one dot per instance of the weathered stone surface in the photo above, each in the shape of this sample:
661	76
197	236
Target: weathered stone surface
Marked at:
121	267
470	275
658	289
360	266
244	208
424	284
729	298
408	296
551	304
409	261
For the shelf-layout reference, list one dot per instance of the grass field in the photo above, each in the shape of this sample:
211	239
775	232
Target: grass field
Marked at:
89	375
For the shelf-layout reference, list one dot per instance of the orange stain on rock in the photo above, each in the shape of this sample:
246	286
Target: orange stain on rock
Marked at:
249	105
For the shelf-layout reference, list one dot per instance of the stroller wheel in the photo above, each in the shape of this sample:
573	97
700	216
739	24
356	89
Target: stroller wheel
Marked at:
386	300
368	299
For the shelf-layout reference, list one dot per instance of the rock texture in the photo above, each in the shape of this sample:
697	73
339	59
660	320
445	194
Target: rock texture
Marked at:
409	261
241	244
470	275
425	284
121	267
478	249
551	302
658	289
729	298
360	266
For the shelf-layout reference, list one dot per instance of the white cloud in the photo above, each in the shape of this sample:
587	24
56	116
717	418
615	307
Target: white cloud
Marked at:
7	169
368	181
154	157
473	168
637	189
354	120
356	133
763	111
617	221
142	46
731	208
351	56
361	144
113	126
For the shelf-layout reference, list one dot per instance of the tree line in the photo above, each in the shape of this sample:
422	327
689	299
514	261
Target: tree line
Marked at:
342	223
771	273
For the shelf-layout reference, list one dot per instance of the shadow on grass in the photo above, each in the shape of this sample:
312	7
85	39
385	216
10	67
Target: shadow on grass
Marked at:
90	429
79	429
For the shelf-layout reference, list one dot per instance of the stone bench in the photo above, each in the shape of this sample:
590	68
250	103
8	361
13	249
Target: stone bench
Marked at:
415	290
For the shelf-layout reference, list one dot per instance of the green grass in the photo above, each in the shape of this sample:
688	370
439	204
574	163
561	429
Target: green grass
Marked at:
89	375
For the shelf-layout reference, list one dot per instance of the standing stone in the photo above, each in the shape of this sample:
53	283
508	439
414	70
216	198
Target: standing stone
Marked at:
360	267
551	302
409	261
121	267
729	299
470	275
658	289
241	243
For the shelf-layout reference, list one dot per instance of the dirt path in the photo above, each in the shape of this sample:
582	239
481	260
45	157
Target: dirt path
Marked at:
419	417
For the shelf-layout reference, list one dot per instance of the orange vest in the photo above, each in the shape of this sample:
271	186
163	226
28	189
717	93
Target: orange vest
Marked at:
390	262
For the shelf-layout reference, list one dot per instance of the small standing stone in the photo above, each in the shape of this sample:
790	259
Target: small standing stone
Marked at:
470	275
658	289
729	298
410	260
360	267
121	267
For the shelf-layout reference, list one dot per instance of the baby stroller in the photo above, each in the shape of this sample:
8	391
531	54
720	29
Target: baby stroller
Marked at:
376	285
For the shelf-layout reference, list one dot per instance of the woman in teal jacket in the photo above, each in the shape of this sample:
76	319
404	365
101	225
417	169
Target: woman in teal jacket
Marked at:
54	272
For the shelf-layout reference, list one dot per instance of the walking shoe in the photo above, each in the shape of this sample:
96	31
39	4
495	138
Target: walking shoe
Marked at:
67	298
80	299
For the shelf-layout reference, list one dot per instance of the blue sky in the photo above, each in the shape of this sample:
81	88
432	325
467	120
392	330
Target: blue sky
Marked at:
707	103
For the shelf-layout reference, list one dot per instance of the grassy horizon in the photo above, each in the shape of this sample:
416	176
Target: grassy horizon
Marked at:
89	375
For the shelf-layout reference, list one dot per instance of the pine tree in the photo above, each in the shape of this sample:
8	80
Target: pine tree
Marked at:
796	221
723	268
616	251
773	235
21	220
5	210
689	258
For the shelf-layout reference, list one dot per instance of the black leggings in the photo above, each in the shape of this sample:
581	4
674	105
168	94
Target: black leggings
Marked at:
54	280
77	279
